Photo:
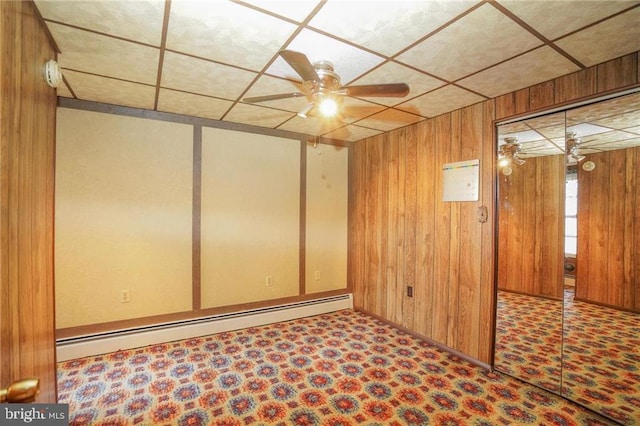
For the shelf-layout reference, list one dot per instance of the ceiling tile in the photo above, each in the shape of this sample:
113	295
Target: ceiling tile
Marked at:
257	116
585	129
193	105
139	20
295	10
538	148
392	72
554	19
526	70
453	52
64	91
111	91
199	76
355	109
226	32
103	55
523	134
439	101
389	119
352	133
385	26
610	39
349	61
610	140
622	122
613	108
311	125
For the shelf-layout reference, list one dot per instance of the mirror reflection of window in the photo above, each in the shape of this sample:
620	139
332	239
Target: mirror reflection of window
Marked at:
571	213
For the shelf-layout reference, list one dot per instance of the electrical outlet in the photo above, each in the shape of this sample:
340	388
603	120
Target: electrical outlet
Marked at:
125	297
316	276
409	291
268	281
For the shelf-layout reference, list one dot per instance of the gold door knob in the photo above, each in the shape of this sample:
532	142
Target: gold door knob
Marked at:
23	391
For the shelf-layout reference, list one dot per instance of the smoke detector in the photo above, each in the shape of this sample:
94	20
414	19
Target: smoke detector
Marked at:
52	74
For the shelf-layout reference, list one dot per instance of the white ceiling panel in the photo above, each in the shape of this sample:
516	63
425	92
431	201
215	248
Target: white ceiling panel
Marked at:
385	27
193	105
199	76
213	54
352	133
447	98
349	62
611	38
534	67
63	90
554	19
97	54
226	32
257	116
295	10
110	91
451	53
139	21
389	119
311	125
357	109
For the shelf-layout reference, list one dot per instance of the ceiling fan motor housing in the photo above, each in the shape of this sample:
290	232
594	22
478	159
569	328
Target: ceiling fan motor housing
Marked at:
328	81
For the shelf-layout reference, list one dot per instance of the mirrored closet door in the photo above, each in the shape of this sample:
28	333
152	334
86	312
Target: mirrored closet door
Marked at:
568	276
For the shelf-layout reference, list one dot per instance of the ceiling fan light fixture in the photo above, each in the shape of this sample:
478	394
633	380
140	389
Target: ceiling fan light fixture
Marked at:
303	113
321	84
328	106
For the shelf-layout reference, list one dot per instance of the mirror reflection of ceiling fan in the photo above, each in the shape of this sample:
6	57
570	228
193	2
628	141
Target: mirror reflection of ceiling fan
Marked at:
321	85
509	153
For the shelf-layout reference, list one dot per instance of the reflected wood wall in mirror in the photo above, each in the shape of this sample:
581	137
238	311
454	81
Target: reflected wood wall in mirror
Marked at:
530	250
607	231
576	334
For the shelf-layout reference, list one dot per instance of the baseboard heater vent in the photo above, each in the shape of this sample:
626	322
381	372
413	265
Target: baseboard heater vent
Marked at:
96	344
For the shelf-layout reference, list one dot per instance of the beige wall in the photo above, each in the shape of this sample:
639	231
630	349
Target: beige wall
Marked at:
123	217
125	209
250	217
326	218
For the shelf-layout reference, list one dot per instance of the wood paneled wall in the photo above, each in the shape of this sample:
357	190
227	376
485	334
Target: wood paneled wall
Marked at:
608	230
402	234
27	119
405	236
531	227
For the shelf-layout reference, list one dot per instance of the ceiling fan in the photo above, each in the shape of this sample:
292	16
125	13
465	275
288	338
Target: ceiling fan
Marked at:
509	153
321	85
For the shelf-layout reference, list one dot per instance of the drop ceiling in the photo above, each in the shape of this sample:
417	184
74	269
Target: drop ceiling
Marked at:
203	58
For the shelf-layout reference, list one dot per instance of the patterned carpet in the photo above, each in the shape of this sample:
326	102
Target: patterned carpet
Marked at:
600	362
529	339
343	368
601	359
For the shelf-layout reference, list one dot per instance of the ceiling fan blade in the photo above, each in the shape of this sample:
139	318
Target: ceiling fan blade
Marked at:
395	90
273	97
300	63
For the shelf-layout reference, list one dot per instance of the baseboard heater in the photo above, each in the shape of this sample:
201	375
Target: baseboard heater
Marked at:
125	339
